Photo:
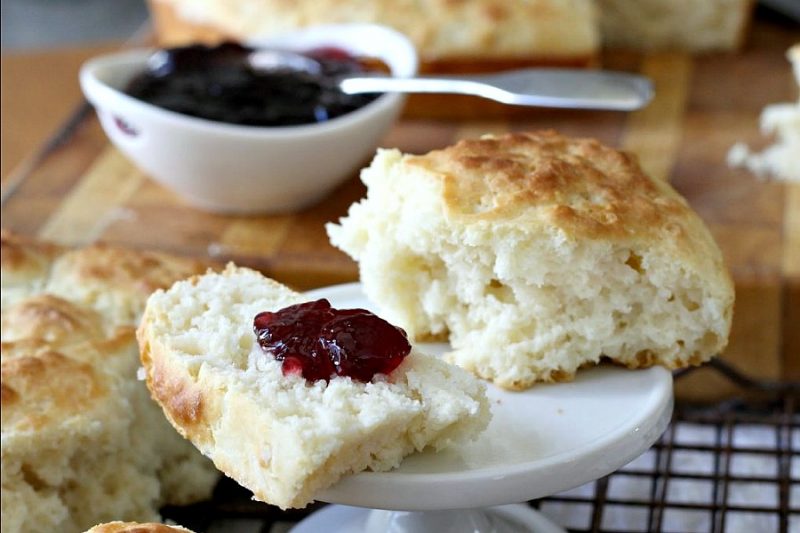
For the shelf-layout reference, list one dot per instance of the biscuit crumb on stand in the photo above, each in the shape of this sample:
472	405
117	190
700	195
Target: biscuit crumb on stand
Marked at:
781	160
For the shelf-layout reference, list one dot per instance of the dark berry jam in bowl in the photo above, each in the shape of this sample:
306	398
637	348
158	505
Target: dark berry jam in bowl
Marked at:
318	342
226	83
248	169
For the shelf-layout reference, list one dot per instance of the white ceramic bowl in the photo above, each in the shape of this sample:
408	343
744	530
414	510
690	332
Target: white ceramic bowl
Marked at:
245	169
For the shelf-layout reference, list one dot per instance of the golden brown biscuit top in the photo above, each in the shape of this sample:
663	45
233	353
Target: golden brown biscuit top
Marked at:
22	348
587	189
124	269
27	261
68	335
439	29
46	389
23	260
46	386
134	527
116	282
50	319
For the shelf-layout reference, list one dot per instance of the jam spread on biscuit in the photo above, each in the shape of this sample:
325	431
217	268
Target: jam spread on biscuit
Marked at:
219	83
320	342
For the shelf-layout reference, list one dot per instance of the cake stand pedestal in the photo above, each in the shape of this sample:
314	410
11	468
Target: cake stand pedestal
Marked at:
514	518
541	441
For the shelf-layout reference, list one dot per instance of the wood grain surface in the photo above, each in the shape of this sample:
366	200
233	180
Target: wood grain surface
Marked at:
85	190
39	91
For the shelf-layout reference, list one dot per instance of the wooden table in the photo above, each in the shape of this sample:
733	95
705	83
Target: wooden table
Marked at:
39	92
80	189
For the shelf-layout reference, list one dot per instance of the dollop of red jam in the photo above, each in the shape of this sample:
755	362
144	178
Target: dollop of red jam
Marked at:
320	342
219	83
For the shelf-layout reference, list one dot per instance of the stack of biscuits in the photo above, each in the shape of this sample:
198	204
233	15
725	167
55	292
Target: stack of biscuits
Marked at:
82	442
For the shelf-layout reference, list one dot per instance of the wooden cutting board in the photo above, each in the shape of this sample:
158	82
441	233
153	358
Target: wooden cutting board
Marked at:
83	190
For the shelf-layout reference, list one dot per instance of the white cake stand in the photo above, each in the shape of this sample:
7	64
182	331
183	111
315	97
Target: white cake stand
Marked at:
545	440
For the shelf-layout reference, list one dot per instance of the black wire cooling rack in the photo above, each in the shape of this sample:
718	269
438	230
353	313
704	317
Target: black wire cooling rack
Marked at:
729	467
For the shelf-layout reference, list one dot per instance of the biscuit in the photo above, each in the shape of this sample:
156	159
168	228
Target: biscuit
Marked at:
441	30
52	320
82	442
675	24
25	264
116	281
538	254
470	32
280	436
